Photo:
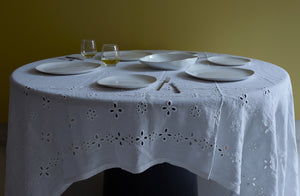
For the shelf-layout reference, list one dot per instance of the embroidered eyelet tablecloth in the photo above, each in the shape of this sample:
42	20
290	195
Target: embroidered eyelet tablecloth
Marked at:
64	128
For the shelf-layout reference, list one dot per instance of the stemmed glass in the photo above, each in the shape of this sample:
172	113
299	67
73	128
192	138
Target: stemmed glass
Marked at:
88	48
110	54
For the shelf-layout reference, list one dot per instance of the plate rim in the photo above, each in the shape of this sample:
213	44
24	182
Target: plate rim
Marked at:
252	72
172	54
247	60
126	87
134	51
39	67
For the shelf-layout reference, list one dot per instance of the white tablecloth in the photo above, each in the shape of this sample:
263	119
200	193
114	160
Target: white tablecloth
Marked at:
240	135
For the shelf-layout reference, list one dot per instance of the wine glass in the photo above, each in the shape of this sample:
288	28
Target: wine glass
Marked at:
88	48
110	54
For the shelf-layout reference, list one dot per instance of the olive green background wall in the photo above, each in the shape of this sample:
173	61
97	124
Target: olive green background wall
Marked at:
37	29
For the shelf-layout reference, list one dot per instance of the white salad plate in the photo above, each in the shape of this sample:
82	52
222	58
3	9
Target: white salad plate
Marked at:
169	61
133	55
228	60
67	68
130	81
227	74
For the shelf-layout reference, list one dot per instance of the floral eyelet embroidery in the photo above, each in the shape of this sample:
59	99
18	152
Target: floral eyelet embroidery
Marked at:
116	110
44	171
75	149
269	165
46	102
26	90
168	108
91	114
266	91
165	135
47	137
234	158
235	126
191	139
194	111
142	108
244	100
252	183
96	141
142	138
222	151
252	146
120	139
268	127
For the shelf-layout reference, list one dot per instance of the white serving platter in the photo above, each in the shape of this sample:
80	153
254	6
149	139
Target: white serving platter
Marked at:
221	74
130	81
169	61
228	60
67	68
184	52
133	55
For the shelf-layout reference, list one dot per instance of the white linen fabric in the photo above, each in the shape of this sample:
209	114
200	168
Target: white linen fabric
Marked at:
240	135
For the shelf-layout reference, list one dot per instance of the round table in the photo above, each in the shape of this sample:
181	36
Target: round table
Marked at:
239	136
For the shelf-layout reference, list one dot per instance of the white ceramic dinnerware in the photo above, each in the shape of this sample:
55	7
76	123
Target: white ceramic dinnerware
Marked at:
130	81
228	60
67	68
184	52
133	55
222	74
169	61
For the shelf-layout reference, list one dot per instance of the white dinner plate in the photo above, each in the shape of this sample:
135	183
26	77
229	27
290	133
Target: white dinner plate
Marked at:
219	73
133	55
130	81
169	61
228	60
67	68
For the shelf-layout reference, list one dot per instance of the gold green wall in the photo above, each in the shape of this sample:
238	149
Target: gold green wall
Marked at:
37	29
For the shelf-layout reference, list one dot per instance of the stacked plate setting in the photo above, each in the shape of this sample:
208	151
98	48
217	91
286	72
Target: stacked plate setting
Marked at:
227	72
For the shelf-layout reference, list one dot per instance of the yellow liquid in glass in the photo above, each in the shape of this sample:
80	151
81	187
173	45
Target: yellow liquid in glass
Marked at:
88	55
110	62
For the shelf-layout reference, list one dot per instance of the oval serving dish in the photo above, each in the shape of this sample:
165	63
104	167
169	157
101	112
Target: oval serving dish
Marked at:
169	61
